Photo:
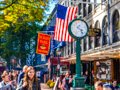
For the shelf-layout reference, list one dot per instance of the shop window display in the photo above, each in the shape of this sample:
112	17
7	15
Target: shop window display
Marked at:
103	70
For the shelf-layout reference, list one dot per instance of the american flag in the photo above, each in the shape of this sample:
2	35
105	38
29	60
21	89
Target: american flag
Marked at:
63	18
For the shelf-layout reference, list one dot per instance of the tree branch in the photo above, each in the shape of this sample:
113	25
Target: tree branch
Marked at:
14	1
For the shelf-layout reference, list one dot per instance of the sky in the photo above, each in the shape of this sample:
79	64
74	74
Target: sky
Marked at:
52	5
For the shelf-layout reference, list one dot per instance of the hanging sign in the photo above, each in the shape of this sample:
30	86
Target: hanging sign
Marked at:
43	44
94	32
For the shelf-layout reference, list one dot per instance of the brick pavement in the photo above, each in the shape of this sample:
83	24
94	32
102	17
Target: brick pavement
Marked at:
45	87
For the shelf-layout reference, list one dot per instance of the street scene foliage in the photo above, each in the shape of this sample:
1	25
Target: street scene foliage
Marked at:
19	22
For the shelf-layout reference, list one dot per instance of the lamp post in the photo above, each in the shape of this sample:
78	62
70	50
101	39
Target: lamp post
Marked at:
58	52
51	65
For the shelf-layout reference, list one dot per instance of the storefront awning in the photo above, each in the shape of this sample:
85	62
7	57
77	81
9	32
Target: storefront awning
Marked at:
99	54
105	54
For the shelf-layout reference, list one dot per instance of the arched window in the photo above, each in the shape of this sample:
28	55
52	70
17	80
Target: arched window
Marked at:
90	40
84	9
105	30
89	7
97	38
116	26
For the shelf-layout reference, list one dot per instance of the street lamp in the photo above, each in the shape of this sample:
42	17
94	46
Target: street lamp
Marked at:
58	52
51	66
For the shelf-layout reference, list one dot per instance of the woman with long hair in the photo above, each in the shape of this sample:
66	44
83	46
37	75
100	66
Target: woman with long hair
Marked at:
30	81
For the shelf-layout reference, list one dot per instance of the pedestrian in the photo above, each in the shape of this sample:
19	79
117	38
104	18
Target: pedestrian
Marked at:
6	84
14	78
106	87
99	85
42	76
60	82
66	82
114	85
87	78
21	75
30	81
70	80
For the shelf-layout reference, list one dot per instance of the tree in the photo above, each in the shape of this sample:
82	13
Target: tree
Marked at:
19	22
19	11
21	43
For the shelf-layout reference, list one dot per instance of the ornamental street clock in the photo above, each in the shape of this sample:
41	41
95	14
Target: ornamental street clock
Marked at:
78	28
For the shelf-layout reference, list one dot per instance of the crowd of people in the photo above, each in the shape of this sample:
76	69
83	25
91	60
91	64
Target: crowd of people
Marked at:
66	82
99	85
28	80
25	80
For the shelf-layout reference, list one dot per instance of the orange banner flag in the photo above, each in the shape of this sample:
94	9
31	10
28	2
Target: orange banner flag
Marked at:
43	44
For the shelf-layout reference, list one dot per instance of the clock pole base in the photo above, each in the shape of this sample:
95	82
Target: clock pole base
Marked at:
78	82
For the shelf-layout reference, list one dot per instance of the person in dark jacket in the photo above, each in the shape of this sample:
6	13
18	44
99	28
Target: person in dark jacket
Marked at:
114	85
30	81
87	78
21	75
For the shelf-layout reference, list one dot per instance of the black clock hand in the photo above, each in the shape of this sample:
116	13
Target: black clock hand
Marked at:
81	30
78	27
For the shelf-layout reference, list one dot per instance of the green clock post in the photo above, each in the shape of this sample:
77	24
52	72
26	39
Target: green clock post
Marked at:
78	29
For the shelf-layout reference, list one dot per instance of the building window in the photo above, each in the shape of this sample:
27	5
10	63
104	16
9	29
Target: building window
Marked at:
72	48
96	1
90	40
85	44
97	38
84	9
73	2
105	30
103	0
116	26
89	7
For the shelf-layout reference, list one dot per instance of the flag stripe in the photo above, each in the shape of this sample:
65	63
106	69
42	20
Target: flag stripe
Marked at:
61	27
58	29
72	10
66	38
61	30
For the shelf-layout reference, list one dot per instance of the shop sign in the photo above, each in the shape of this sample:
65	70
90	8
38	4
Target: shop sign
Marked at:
93	32
117	25
43	44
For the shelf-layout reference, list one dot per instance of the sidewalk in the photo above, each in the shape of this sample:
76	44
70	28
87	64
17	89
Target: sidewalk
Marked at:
45	87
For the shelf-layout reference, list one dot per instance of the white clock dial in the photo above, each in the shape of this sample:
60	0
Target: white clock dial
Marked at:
79	28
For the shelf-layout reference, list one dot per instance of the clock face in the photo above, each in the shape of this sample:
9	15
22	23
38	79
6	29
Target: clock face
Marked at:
79	28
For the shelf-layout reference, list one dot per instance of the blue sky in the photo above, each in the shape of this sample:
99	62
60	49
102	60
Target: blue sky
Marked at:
52	5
